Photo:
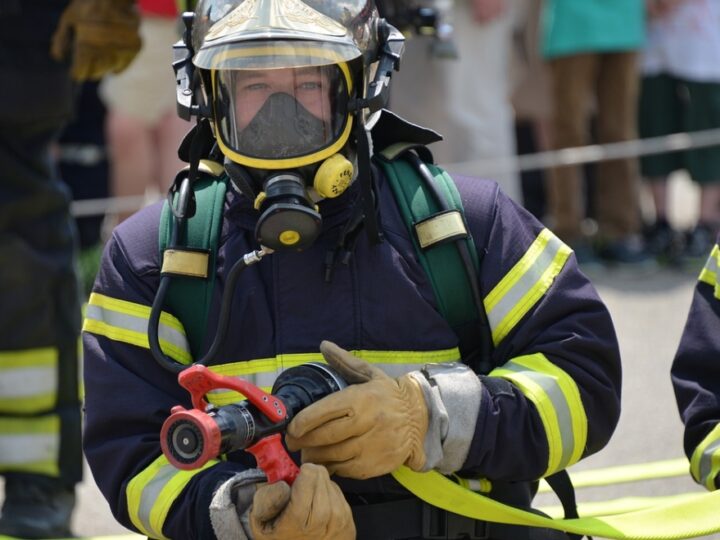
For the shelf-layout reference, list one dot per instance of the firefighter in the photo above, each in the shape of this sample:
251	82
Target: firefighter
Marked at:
40	446
289	107
695	376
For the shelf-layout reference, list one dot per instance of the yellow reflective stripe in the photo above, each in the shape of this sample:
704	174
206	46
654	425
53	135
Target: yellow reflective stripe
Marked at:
478	485
705	460
263	372
709	273
28	380
151	493
127	322
30	445
520	289
558	402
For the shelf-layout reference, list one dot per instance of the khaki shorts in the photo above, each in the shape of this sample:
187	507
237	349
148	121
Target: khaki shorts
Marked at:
146	89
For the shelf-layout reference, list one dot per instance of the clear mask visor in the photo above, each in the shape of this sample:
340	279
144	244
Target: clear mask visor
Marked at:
282	113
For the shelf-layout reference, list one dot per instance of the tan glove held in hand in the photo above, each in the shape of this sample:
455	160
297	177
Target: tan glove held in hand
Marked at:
313	508
100	35
367	429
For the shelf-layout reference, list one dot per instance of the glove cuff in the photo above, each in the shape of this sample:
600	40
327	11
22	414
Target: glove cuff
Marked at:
453	393
417	426
230	505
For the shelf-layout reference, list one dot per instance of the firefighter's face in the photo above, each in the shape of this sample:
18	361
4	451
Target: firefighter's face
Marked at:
310	87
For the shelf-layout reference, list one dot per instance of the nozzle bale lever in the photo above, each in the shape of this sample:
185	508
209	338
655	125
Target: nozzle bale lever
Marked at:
190	438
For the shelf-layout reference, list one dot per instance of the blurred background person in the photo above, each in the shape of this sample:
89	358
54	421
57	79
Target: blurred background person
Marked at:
681	93
467	99
531	101
592	48
44	44
84	167
143	127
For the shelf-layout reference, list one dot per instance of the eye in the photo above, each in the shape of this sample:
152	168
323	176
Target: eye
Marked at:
255	87
310	85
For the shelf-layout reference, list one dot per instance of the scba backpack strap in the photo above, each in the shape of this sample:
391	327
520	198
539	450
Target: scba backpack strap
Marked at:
433	213
192	260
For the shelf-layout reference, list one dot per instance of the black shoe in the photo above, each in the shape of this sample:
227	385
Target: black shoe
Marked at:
663	242
36	507
629	250
699	242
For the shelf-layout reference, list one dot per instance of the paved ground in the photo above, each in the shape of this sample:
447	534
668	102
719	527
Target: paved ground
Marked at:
649	309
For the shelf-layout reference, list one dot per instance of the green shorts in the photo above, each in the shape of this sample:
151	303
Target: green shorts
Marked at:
671	105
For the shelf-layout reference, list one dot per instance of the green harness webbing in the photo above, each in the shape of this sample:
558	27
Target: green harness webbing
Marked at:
189	298
441	261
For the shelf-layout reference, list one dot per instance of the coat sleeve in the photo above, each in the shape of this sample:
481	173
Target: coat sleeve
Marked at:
553	396
695	376
128	395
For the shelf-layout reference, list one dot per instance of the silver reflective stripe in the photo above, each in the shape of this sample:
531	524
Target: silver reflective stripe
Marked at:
136	324
559	404
525	283
23	449
706	463
27	381
712	264
151	494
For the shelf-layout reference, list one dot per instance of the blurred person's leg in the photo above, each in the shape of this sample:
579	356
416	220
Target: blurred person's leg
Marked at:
40	453
531	100
133	165
703	164
142	144
419	94
479	91
660	113
573	79
169	133
618	184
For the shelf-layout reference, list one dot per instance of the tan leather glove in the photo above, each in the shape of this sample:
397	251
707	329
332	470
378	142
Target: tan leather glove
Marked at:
313	508
367	429
101	35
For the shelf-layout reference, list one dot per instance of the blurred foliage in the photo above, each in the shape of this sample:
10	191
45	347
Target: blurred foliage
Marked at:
88	266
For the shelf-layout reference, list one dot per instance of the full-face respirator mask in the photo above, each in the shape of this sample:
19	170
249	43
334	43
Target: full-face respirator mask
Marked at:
285	133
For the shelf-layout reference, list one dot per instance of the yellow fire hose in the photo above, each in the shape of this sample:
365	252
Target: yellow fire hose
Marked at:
687	516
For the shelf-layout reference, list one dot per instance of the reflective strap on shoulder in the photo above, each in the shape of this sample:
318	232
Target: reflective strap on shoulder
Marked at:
152	492
521	288
127	322
689	517
186	262
557	400
28	380
705	460
30	445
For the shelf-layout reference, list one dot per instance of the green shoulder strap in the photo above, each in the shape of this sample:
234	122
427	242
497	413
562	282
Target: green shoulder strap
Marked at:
434	233
190	292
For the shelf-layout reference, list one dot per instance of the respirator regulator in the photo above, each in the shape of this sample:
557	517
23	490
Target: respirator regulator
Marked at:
289	217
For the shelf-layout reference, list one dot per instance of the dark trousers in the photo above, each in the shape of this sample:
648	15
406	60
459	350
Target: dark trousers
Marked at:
40	306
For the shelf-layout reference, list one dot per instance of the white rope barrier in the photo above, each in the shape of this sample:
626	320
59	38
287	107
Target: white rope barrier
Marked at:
489	167
592	153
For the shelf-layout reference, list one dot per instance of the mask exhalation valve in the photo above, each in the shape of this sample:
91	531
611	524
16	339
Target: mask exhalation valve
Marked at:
288	220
